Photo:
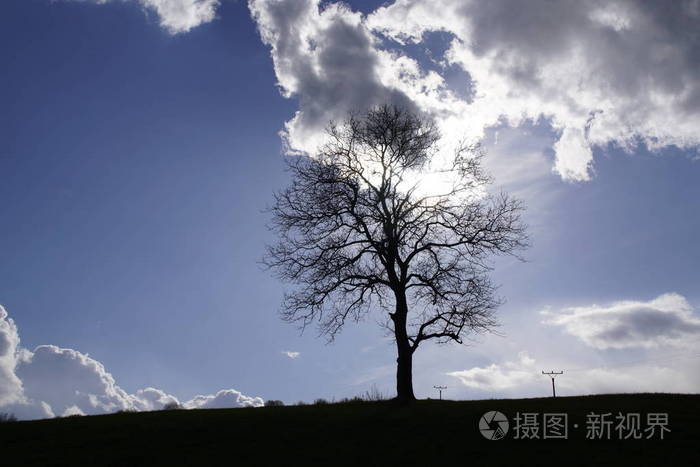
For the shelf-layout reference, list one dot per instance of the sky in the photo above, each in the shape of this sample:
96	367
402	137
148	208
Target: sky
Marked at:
142	140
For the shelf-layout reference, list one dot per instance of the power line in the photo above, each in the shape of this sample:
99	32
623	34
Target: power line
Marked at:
440	388
552	374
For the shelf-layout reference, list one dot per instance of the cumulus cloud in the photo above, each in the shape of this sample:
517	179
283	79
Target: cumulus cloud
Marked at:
291	354
499	377
53	381
10	384
327	59
226	398
72	411
177	16
600	73
666	320
153	399
29	410
66	378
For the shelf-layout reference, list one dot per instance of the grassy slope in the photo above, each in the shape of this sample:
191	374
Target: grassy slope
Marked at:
430	432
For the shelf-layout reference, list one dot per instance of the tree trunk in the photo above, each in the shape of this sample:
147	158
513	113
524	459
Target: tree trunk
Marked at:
404	375
404	361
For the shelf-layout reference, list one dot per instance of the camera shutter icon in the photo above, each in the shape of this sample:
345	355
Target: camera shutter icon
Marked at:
493	425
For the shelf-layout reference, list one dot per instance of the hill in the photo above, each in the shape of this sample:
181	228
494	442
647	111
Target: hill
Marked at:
429	432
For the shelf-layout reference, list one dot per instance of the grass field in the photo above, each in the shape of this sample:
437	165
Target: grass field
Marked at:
431	433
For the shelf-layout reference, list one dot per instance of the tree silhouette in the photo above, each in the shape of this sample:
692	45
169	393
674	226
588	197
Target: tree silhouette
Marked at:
360	229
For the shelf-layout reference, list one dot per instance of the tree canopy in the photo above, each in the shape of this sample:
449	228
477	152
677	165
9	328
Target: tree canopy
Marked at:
361	228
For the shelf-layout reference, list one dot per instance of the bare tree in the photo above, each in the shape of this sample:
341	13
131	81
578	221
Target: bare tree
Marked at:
359	230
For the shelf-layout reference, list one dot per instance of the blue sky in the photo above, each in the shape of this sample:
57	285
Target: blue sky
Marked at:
136	161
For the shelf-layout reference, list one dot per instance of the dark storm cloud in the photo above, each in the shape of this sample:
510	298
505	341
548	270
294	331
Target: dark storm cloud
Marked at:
600	72
325	58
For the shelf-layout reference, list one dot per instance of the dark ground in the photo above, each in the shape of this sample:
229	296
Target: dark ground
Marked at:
429	433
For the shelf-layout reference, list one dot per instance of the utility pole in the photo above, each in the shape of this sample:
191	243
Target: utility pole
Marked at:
552	374
440	388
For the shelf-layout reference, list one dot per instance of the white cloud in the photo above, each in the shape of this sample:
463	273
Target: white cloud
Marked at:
226	398
600	72
28	410
52	381
574	157
177	16
153	399
65	377
10	384
71	411
665	320
499	377
291	354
